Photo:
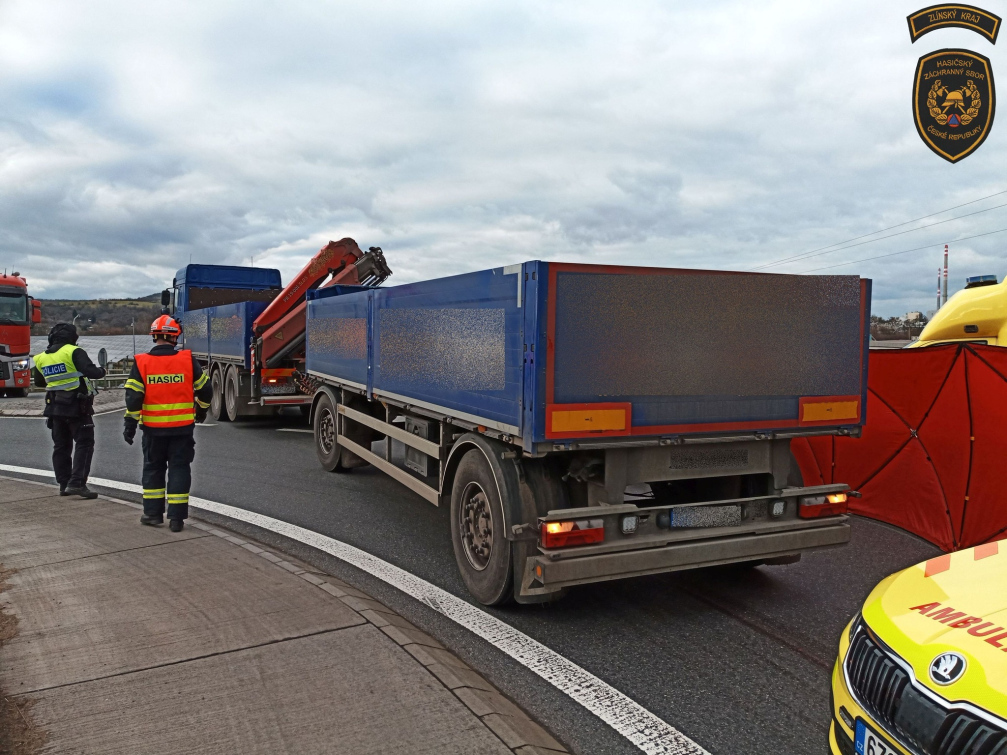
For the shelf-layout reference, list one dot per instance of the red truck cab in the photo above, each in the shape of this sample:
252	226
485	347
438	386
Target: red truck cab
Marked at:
18	312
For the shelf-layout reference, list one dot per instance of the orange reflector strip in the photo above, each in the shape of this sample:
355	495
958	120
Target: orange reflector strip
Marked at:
938	565
828	411
587	420
987	550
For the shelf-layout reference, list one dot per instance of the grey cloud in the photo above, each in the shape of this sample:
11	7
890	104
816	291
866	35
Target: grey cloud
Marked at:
460	135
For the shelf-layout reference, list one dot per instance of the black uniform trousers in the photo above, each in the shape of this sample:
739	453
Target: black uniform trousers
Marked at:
171	454
72	449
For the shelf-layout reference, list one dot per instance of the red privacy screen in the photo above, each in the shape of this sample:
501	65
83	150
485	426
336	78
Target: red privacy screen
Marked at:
934	450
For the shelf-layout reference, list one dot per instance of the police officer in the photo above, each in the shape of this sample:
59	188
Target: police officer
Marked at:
65	371
167	393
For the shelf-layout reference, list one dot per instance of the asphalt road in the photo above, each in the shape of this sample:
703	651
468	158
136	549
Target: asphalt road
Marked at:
737	660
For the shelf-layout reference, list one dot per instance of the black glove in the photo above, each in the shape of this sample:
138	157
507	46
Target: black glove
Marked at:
129	430
200	414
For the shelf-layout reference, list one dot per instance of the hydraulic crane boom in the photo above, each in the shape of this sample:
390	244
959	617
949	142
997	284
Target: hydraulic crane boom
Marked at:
281	327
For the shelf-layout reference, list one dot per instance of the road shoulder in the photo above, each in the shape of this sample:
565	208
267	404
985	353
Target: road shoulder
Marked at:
212	642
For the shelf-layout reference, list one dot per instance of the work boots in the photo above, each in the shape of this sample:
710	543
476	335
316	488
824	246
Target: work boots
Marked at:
151	521
175	525
83	491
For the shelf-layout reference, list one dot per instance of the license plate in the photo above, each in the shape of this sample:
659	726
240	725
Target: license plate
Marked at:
706	516
869	743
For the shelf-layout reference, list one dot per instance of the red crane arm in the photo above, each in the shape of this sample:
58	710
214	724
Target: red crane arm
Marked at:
281	326
334	257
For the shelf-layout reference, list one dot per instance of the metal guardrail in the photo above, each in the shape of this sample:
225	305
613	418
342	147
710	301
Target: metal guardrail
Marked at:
112	380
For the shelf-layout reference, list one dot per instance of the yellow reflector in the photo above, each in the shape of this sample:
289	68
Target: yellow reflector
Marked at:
586	420
826	411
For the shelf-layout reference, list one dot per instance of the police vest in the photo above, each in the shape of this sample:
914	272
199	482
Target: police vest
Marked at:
59	371
168	394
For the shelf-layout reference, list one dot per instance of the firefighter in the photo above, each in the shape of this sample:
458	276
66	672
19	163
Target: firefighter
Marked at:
167	393
65	371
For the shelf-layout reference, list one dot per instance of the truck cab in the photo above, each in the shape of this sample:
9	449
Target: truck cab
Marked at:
18	312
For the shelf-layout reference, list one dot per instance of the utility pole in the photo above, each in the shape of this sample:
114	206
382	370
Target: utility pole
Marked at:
132	326
944	295
938	289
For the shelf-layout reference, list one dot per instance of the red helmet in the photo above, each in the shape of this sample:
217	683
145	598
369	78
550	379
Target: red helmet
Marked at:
165	326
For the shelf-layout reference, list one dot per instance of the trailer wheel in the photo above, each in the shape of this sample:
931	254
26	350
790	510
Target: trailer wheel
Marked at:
217	410
232	394
327	446
481	547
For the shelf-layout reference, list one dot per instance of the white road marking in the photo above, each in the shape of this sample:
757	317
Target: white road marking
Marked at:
294	430
649	733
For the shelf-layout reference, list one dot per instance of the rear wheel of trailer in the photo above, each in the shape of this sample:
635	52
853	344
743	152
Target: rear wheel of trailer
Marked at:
478	531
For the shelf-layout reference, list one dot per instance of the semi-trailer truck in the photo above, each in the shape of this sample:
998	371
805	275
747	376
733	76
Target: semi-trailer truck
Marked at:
18	312
247	330
588	422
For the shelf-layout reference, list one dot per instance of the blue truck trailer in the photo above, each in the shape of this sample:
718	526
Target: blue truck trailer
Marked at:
588	423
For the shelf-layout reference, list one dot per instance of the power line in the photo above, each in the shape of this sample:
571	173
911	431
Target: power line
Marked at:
814	252
906	251
902	233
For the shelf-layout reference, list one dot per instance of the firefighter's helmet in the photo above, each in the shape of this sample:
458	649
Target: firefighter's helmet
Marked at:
165	326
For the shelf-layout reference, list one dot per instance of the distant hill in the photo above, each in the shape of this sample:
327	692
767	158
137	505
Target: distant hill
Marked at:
100	317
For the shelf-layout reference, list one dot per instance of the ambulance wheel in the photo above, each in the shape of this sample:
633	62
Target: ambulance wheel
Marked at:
327	446
232	396
217	410
482	550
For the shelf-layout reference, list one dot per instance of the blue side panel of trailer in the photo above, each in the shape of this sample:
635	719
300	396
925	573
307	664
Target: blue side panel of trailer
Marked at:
454	343
223	331
337	334
678	351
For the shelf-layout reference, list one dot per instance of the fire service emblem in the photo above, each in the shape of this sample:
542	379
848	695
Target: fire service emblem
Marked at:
954	101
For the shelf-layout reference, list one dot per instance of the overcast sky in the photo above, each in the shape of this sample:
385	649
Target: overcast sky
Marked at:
460	135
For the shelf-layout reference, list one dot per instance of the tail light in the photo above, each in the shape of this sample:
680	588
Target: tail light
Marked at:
565	534
818	506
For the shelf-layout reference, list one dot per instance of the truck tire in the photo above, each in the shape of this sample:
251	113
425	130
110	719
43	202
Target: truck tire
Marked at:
217	410
327	446
232	394
482	550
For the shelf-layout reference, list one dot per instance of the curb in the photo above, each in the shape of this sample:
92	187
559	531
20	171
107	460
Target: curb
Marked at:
499	714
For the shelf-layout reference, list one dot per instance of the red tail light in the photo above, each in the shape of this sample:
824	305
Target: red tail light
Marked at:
565	534
818	506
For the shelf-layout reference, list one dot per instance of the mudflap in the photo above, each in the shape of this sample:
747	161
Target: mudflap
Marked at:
541	491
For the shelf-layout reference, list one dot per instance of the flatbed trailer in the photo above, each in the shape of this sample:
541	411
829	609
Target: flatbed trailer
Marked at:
588	423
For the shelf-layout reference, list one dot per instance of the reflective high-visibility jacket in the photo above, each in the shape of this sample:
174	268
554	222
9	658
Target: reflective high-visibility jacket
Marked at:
168	390
59	371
